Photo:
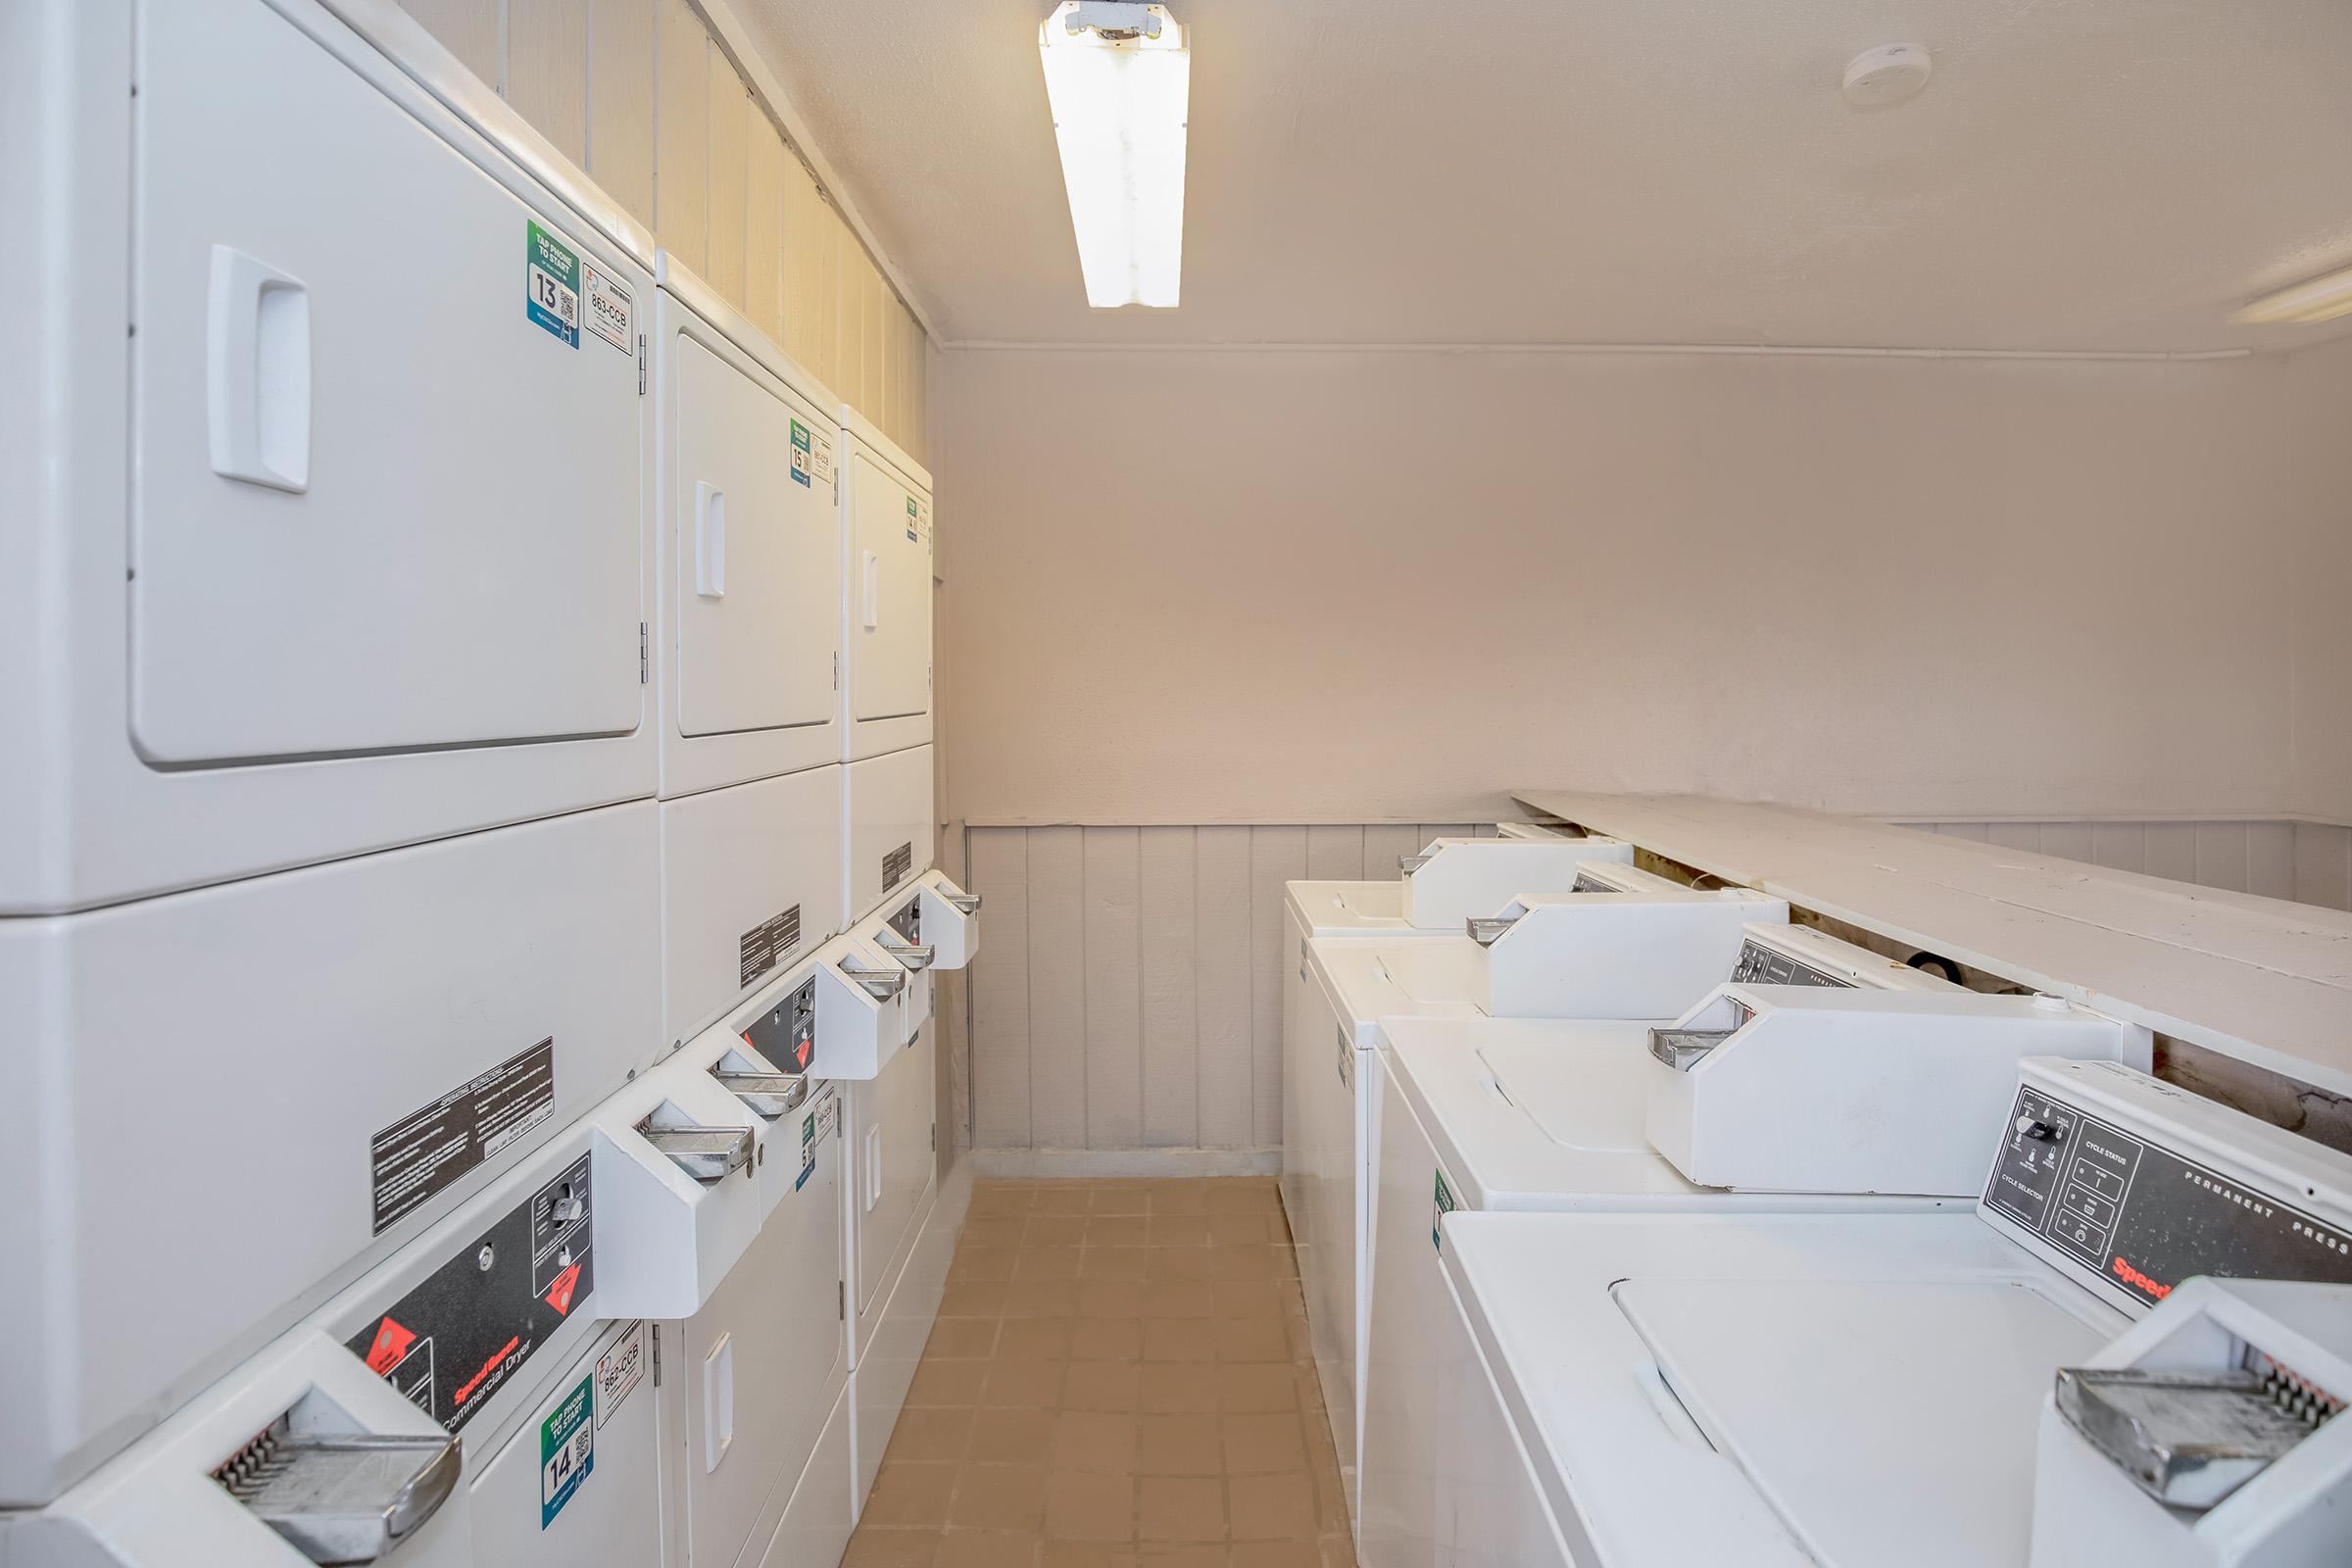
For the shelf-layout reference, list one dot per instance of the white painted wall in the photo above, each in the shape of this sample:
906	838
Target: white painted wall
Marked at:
1200	587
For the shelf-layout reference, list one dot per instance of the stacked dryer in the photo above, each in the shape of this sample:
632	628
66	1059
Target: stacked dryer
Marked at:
330	879
435	1033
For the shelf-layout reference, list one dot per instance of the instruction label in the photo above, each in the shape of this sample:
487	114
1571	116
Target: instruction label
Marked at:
896	865
551	284
766	945
1441	1206
618	1371
820	1122
803	457
429	1148
566	1449
821	459
610	306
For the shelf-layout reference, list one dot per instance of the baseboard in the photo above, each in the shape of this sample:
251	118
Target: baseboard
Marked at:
1101	1162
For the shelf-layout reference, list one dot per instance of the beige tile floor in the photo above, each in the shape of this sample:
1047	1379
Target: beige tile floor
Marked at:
1119	1375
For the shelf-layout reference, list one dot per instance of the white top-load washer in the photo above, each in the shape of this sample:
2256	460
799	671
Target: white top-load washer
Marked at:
1490	1114
1446	884
1670	1391
1689	940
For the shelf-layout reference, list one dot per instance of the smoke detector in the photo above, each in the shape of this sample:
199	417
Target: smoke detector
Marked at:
1887	75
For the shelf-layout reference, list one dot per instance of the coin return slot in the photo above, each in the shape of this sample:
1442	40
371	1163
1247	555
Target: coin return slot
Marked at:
336	1493
1487	930
1685	1049
770	1093
2189	1438
879	984
709	1155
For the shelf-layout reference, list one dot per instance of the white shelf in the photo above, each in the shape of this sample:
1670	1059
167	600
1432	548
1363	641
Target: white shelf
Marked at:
2258	979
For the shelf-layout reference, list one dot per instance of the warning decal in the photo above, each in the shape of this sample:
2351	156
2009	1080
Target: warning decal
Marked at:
896	865
428	1149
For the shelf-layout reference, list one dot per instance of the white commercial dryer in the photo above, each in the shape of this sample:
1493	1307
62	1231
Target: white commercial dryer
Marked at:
1495	1115
1847	1390
253	1091
1449	881
627	1349
886	676
341	535
745	654
1675	941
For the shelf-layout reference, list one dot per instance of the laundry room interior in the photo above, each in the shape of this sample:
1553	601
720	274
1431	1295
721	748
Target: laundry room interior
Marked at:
1525	785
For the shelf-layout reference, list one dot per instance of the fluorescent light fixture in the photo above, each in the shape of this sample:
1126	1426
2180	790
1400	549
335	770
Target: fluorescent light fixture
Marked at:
2323	299
1118	78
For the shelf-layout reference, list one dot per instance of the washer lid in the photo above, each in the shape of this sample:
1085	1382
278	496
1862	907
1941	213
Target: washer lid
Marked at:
1348	908
1587	1093
1884	1421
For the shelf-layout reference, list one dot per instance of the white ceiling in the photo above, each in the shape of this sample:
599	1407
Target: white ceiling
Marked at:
2098	175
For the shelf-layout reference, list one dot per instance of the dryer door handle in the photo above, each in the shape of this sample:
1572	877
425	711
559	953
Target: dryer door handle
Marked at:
257	389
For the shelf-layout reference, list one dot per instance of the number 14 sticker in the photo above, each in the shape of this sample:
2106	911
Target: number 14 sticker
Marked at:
566	1449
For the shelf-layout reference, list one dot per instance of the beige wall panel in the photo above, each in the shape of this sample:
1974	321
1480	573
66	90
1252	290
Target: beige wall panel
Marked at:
849	315
547	70
682	136
730	161
764	228
466	28
621	103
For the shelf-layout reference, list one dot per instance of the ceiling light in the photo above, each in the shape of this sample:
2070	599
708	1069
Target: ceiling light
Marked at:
1118	77
2323	299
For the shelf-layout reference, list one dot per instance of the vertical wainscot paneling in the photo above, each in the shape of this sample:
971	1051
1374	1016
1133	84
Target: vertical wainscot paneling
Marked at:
547	70
2323	865
1222	999
466	28
1058	986
763	226
1277	854
730	161
621	102
682	134
1167	954
1000	981
1115	1023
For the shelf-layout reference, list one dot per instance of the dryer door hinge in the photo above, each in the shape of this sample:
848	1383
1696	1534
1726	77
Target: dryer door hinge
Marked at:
656	1328
841	1300
837	669
641	364
935	1138
644	655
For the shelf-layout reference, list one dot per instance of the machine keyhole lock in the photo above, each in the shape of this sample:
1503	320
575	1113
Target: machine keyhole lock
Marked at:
485	1258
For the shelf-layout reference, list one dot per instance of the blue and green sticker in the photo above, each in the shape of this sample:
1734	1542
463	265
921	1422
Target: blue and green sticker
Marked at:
801	452
566	1449
912	514
552	284
1441	1206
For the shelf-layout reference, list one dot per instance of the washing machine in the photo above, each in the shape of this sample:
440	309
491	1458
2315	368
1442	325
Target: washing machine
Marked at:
1447	883
1601	950
1502	1114
1662	1389
303	403
238	1098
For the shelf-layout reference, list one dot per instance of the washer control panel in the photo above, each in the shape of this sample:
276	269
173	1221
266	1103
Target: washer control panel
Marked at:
2105	1194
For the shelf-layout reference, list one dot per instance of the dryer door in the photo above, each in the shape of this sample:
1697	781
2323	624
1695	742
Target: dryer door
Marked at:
388	466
